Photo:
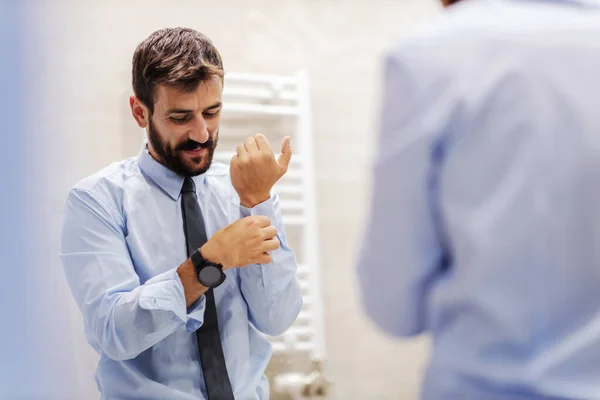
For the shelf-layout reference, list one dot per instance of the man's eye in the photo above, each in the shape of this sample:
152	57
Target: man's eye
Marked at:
180	120
211	114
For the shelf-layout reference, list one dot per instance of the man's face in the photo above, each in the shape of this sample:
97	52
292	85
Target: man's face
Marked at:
183	131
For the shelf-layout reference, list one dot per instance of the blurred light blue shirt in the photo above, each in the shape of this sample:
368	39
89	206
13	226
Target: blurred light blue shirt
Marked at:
122	242
484	226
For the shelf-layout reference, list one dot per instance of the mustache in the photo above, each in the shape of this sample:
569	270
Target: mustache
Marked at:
193	145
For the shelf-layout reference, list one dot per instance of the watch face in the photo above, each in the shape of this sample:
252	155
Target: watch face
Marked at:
210	276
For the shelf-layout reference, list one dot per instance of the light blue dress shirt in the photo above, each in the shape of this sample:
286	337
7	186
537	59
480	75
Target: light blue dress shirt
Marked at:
484	225
122	242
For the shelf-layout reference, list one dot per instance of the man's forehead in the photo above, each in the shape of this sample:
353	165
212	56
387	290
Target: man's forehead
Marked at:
205	94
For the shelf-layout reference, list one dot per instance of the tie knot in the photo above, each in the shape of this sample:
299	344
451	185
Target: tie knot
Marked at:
188	185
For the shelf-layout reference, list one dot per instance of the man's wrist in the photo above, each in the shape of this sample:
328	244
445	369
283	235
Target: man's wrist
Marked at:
211	255
253	201
192	287
208	254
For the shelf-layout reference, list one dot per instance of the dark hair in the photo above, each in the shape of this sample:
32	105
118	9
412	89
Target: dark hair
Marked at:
180	57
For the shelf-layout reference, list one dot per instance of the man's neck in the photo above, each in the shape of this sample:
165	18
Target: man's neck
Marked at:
153	154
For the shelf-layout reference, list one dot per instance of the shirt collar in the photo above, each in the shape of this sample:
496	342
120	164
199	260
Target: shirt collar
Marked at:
166	179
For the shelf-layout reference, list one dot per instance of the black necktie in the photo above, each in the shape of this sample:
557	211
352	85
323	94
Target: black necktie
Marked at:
212	359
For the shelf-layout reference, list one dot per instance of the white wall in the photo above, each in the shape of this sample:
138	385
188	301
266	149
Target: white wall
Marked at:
87	72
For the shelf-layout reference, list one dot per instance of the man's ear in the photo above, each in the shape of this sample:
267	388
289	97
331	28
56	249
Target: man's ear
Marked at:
140	112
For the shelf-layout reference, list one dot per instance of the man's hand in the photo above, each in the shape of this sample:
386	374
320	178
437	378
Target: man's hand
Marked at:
246	241
254	170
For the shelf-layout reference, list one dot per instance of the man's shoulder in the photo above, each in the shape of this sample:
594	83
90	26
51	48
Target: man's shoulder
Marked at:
478	30
456	50
109	180
450	31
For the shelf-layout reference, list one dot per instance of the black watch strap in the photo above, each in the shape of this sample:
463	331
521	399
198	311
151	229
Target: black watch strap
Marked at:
198	260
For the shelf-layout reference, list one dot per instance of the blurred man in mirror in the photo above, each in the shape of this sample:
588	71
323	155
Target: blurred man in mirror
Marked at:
484	225
180	266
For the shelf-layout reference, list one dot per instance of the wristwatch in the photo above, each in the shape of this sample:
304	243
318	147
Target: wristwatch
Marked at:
210	274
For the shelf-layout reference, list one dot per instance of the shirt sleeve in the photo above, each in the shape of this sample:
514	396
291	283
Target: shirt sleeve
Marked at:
272	291
122	317
401	249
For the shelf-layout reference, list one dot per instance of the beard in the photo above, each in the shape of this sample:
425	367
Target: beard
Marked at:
173	157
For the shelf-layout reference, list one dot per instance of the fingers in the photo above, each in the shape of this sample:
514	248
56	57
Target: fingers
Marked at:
264	259
260	220
271	244
250	145
286	154
286	144
262	143
267	246
241	150
269	232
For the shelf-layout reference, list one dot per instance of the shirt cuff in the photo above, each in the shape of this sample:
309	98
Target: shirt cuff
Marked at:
195	315
273	278
265	208
164	292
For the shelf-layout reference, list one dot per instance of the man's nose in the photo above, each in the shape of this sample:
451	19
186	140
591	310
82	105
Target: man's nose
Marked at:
200	131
